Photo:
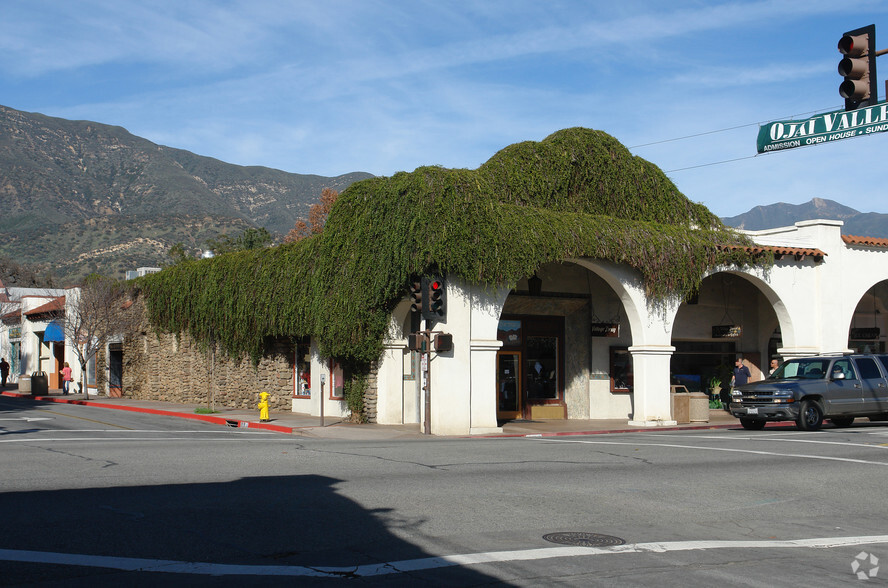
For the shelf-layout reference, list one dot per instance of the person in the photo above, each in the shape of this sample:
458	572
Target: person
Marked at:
741	373
66	377
773	368
4	370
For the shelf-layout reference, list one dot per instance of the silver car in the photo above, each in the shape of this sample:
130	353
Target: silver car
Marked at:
807	390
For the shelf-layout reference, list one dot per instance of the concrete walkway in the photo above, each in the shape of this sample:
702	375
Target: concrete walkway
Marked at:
334	428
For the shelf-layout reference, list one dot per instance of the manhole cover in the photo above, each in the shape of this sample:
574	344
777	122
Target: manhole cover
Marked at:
580	539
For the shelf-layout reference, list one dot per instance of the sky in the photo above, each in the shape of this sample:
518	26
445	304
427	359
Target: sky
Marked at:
335	86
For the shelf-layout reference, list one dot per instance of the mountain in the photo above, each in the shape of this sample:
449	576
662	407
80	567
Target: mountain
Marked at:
865	224
80	196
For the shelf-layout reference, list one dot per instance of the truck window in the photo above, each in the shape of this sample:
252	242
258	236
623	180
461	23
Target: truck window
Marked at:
802	368
868	369
844	366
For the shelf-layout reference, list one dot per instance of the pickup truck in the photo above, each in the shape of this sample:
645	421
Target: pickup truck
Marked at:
807	390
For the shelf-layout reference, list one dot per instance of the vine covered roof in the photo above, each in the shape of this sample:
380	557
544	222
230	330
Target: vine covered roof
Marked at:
577	193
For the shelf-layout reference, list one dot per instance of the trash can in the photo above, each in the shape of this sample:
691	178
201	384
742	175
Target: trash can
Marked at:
39	384
24	384
698	407
680	402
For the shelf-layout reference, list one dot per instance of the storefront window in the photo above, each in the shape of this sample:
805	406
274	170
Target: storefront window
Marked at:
620	369
336	390
303	372
541	367
509	332
91	372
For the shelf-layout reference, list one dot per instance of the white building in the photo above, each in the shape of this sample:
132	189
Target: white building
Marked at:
584	342
22	341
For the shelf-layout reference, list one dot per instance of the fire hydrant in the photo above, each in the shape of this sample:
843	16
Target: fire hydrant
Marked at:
263	407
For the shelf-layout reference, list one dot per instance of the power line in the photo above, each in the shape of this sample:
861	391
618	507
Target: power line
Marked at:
708	164
790	117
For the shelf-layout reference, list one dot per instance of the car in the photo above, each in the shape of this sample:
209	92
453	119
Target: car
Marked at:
807	390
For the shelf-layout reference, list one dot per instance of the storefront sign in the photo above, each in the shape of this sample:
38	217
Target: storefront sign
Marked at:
823	128
726	331
15	332
605	329
871	333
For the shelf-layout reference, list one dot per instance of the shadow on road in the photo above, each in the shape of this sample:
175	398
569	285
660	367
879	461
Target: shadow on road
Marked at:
258	522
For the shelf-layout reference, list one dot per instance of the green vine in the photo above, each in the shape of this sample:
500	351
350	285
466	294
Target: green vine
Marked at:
353	390
577	193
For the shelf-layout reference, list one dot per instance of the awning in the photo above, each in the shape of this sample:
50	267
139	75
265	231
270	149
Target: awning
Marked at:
54	332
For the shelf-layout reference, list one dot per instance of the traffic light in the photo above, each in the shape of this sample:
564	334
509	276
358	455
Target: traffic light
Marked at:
443	342
434	299
416	296
858	67
418	342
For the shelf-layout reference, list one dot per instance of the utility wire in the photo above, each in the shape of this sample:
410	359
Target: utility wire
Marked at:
790	117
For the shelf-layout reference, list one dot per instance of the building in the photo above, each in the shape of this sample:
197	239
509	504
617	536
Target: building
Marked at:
580	284
25	316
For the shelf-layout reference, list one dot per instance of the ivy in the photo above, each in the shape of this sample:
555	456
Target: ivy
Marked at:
577	193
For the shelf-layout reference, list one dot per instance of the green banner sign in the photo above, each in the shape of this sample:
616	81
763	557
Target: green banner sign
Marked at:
823	128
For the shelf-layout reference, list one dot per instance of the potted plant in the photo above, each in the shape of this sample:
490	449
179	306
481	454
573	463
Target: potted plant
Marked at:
714	389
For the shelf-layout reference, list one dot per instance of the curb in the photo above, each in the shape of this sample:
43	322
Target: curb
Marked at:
216	420
242	424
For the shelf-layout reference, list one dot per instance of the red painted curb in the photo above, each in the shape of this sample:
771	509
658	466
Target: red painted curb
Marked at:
216	420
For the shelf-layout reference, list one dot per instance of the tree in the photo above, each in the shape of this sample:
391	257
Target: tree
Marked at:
317	217
250	239
177	253
94	314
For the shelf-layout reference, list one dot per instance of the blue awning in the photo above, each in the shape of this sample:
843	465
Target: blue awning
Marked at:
54	332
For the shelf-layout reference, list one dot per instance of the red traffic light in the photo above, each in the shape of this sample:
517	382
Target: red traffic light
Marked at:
434	299
858	67
853	45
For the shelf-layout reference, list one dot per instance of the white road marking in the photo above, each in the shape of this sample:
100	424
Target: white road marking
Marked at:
726	449
28	419
397	567
270	437
757	438
214	431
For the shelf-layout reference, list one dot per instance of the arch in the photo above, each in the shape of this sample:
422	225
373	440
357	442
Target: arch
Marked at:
869	319
784	318
626	284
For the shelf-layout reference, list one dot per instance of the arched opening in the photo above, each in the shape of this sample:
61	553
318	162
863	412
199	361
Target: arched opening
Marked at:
731	315
565	337
869	323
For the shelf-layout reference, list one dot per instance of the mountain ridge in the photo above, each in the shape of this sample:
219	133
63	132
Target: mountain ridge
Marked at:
781	214
82	196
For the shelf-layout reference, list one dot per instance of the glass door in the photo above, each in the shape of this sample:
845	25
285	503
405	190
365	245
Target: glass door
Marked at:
508	385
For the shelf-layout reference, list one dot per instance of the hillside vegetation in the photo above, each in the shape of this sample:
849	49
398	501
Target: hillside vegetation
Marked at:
80	196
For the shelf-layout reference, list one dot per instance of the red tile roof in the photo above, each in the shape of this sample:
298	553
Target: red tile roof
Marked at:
799	253
870	241
54	305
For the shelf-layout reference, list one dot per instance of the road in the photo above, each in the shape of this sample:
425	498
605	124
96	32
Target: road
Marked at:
95	497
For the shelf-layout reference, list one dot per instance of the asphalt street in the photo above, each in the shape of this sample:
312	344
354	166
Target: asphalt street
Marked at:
95	497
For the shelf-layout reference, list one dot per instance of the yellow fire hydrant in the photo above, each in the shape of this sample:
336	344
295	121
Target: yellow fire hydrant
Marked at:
263	407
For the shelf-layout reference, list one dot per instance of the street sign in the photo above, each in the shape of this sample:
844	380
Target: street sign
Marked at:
823	128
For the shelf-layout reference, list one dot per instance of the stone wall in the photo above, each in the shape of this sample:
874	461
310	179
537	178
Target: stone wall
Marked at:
371	394
173	368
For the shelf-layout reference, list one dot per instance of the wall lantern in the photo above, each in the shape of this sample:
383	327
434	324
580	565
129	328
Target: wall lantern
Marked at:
535	285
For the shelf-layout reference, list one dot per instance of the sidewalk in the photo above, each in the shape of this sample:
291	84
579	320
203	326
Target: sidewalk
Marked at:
334	428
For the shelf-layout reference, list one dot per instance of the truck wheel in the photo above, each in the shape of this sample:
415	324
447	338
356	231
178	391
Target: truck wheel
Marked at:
842	421
810	416
753	424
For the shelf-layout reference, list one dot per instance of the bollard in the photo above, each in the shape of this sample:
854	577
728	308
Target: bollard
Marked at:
263	407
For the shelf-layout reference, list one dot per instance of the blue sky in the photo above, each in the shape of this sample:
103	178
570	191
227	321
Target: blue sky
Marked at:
333	86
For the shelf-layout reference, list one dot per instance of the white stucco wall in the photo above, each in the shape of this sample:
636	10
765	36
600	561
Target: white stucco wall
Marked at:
812	302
